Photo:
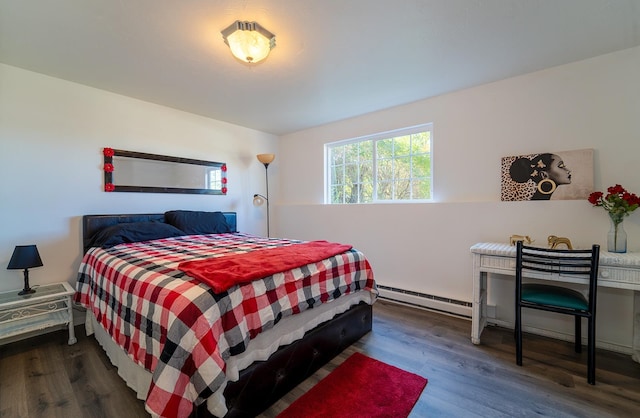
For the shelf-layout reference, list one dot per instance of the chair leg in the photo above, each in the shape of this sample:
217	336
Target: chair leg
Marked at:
591	347
518	335
578	334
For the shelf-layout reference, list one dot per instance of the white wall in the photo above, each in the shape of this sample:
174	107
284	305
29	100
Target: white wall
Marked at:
52	133
425	247
51	137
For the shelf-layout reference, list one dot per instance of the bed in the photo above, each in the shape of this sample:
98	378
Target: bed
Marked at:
183	357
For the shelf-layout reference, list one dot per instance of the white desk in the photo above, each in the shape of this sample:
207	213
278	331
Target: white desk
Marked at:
620	271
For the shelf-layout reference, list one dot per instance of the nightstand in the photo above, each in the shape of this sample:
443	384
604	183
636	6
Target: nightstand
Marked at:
49	306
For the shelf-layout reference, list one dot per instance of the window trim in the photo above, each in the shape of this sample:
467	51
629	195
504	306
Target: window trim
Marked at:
425	127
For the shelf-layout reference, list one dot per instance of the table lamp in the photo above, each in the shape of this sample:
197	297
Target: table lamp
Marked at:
25	257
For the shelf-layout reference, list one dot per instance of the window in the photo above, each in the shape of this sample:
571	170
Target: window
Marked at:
392	166
214	179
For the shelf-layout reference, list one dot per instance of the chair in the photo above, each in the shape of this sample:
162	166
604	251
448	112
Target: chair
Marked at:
580	266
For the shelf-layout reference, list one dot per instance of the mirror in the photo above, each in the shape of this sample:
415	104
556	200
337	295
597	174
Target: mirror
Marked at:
129	171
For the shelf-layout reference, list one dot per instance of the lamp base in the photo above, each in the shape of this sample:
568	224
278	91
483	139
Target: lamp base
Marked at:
26	292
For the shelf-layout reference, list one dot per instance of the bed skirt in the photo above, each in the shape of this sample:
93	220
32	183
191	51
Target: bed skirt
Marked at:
312	338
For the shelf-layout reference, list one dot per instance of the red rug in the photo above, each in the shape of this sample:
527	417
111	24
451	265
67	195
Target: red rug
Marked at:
360	387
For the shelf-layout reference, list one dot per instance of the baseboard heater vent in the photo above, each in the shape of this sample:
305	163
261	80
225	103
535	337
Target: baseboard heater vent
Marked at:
423	300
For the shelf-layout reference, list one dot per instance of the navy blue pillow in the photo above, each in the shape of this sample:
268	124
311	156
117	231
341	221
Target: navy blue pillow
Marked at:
133	232
197	222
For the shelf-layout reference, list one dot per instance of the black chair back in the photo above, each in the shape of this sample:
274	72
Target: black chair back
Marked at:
553	269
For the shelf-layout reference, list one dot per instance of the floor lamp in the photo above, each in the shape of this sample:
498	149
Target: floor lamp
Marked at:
259	199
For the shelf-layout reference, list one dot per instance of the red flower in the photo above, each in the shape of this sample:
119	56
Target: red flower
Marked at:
224	180
108	168
224	190
631	198
594	197
224	168
617	189
618	202
108	152
109	187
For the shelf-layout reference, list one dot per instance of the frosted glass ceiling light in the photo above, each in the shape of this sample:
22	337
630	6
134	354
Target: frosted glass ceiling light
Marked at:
248	41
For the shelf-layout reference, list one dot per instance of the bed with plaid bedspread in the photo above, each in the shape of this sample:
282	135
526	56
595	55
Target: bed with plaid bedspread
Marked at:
178	328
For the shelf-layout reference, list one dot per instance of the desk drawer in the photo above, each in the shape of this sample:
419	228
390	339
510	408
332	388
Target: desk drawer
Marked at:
619	274
508	264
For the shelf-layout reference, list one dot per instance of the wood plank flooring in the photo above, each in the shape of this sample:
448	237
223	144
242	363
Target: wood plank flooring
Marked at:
45	377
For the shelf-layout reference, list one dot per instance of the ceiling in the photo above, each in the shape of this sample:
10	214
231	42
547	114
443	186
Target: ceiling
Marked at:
334	59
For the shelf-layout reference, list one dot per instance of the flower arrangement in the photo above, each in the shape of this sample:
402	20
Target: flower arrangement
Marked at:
618	202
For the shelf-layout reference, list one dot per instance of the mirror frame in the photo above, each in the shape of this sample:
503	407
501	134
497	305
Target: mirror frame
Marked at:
109	168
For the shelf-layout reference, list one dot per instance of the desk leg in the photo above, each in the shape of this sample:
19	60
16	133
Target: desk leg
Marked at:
479	310
72	334
635	346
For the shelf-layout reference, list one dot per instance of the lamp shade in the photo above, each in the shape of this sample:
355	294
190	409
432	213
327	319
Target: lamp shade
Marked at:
258	200
24	257
266	158
248	41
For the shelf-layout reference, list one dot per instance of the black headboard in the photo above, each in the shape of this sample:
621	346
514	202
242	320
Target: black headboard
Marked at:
94	223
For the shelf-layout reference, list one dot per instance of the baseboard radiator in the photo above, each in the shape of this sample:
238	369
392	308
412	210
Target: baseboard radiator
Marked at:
423	300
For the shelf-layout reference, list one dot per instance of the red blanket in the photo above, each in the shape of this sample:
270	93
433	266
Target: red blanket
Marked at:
221	273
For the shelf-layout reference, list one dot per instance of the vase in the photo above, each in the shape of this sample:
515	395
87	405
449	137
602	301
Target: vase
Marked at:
617	238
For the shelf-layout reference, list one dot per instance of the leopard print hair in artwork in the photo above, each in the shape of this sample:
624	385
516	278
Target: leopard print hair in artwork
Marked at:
511	190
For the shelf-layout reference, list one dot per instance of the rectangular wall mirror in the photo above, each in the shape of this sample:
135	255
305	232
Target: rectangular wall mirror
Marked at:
129	171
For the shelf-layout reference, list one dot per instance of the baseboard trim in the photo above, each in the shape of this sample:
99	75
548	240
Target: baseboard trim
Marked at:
435	303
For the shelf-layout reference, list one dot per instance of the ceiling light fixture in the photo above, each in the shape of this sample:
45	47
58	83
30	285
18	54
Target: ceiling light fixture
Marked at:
248	41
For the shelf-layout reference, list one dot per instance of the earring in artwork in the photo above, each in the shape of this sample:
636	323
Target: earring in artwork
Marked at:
546	186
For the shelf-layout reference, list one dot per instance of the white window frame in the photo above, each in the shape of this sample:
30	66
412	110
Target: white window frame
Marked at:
427	127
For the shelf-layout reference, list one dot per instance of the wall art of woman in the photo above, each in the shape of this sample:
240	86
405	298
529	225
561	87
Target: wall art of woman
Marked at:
547	175
565	175
547	171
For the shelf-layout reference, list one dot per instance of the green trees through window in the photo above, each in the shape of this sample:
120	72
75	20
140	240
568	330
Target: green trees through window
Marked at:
395	166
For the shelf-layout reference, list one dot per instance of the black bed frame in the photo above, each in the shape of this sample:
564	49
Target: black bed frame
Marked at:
264	382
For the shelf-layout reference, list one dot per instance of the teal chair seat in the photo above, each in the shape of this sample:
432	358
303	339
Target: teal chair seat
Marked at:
554	296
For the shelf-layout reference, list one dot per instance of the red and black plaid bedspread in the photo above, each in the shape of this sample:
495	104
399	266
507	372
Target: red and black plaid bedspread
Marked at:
183	332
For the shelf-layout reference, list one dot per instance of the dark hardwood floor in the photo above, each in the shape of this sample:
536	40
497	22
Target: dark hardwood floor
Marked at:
44	377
